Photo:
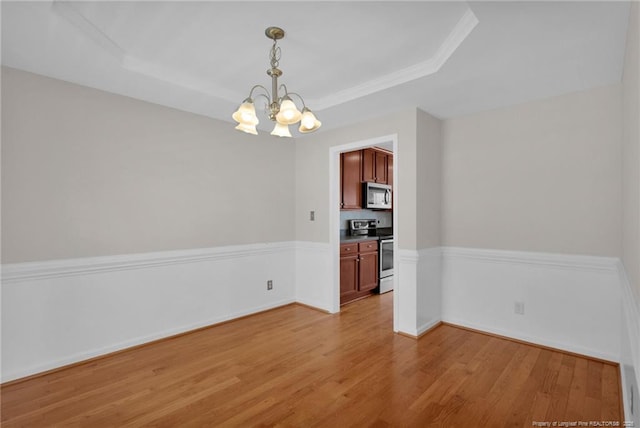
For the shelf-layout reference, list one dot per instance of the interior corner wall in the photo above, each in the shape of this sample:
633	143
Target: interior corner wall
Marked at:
88	173
631	153
429	221
630	269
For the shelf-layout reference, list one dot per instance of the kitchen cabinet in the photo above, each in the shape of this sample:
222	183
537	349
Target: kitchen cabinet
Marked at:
390	170
357	167
350	184
358	270
375	165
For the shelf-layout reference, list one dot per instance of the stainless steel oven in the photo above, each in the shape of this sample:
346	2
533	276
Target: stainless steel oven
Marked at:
385	251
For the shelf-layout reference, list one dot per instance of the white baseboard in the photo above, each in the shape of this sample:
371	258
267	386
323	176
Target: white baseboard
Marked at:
56	313
570	302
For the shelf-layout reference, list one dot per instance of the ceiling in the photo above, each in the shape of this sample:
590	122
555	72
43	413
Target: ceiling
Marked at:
351	61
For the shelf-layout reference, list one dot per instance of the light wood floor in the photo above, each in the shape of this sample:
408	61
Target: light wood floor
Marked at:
294	366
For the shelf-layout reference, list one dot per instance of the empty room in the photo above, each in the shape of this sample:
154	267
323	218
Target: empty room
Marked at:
320	213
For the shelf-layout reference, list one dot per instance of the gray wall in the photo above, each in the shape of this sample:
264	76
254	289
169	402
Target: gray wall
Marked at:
429	178
631	153
88	173
541	176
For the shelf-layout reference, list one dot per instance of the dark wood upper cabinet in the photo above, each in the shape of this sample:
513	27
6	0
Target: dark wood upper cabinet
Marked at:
350	173
390	170
368	165
372	165
375	166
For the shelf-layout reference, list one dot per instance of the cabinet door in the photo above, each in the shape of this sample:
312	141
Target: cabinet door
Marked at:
348	277
368	271
368	165
350	164
381	167
390	170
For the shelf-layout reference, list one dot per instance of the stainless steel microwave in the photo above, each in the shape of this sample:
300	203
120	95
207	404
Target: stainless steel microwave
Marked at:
376	196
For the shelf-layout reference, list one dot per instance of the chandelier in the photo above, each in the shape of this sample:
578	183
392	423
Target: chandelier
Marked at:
281	109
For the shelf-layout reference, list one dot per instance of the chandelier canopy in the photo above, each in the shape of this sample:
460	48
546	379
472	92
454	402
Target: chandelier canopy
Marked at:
281	109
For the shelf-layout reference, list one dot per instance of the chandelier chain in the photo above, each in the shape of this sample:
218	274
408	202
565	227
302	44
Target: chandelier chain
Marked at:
274	55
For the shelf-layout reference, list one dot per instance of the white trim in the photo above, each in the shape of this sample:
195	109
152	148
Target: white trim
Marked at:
137	65
576	349
18	272
334	214
630	359
427	326
458	34
454	39
408	256
567	261
632	316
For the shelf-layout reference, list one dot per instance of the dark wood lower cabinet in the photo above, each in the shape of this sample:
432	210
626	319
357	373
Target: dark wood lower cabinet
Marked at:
348	278
358	270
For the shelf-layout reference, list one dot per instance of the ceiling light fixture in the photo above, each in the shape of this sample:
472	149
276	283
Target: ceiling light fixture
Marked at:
281	109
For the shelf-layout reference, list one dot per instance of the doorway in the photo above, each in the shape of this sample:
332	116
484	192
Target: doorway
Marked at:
389	142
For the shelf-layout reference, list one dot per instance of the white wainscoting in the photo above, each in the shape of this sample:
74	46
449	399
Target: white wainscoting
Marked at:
630	357
313	276
405	302
429	289
59	312
570	302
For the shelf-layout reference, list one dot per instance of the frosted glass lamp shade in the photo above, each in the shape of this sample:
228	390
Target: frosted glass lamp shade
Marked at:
289	113
246	114
281	130
308	122
248	128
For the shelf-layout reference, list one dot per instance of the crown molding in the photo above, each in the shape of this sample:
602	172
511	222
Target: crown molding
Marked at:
137	65
184	80
463	28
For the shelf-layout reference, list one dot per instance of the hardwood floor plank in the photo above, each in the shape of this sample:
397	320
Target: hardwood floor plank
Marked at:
297	367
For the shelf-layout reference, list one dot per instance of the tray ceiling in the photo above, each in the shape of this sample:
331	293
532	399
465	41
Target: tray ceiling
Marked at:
448	58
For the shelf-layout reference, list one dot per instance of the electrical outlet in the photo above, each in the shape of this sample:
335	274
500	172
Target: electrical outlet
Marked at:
518	308
312	215
270	285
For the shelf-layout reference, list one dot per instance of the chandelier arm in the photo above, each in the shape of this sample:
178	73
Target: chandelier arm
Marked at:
266	94
297	95
286	91
265	97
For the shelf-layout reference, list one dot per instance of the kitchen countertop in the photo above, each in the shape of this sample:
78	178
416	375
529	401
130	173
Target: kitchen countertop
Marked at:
375	235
